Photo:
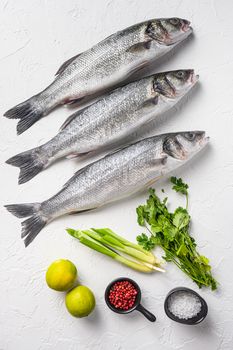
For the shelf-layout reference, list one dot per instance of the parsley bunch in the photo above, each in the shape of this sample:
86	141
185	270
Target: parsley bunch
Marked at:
170	231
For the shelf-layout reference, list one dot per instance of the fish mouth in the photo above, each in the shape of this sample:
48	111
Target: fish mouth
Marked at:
185	27
193	77
183	34
203	142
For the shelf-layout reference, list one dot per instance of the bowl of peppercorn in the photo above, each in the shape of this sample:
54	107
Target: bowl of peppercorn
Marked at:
123	296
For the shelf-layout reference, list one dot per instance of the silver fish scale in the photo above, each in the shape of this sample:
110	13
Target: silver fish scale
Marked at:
110	119
104	122
112	177
102	66
106	52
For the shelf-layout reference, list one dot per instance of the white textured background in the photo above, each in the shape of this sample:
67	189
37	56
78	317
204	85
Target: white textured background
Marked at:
36	37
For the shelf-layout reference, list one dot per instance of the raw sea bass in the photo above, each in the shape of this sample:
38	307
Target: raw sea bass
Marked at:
105	65
117	175
108	120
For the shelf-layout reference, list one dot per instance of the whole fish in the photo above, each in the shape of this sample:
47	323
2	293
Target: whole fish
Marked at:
105	65
108	120
117	175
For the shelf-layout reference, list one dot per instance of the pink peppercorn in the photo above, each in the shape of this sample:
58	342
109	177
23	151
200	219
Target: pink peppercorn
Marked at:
122	295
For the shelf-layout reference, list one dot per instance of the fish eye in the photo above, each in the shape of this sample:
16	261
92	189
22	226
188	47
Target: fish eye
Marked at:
190	136
174	21
180	74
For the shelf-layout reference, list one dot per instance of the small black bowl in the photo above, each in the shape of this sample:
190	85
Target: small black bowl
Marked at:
190	321
137	306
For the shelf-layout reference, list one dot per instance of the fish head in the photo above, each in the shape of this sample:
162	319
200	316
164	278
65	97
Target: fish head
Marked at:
176	83
184	145
169	31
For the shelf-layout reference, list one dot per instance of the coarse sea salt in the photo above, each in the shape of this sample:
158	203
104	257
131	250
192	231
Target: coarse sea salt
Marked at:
184	305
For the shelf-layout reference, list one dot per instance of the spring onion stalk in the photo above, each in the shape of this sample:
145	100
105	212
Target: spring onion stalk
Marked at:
107	244
126	246
103	236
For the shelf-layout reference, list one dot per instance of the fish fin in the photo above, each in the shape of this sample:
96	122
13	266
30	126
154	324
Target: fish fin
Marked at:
31	226
77	173
28	112
159	161
72	156
71	117
66	64
69	120
81	211
138	68
163	160
76	155
120	148
151	182
155	163
151	102
142	46
74	101
30	163
23	210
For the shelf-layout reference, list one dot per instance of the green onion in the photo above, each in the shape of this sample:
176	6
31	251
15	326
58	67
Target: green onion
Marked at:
126	246
107	242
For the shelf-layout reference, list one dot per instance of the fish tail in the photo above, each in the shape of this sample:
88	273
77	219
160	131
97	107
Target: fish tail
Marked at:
23	210
29	112
31	226
30	163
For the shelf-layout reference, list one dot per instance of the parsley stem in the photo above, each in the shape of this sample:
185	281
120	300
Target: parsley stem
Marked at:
183	269
171	232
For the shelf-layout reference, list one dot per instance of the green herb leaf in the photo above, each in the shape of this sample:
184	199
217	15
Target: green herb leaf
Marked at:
179	185
140	213
181	218
146	242
170	231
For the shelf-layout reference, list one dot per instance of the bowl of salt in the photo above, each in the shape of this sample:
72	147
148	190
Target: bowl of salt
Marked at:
186	306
